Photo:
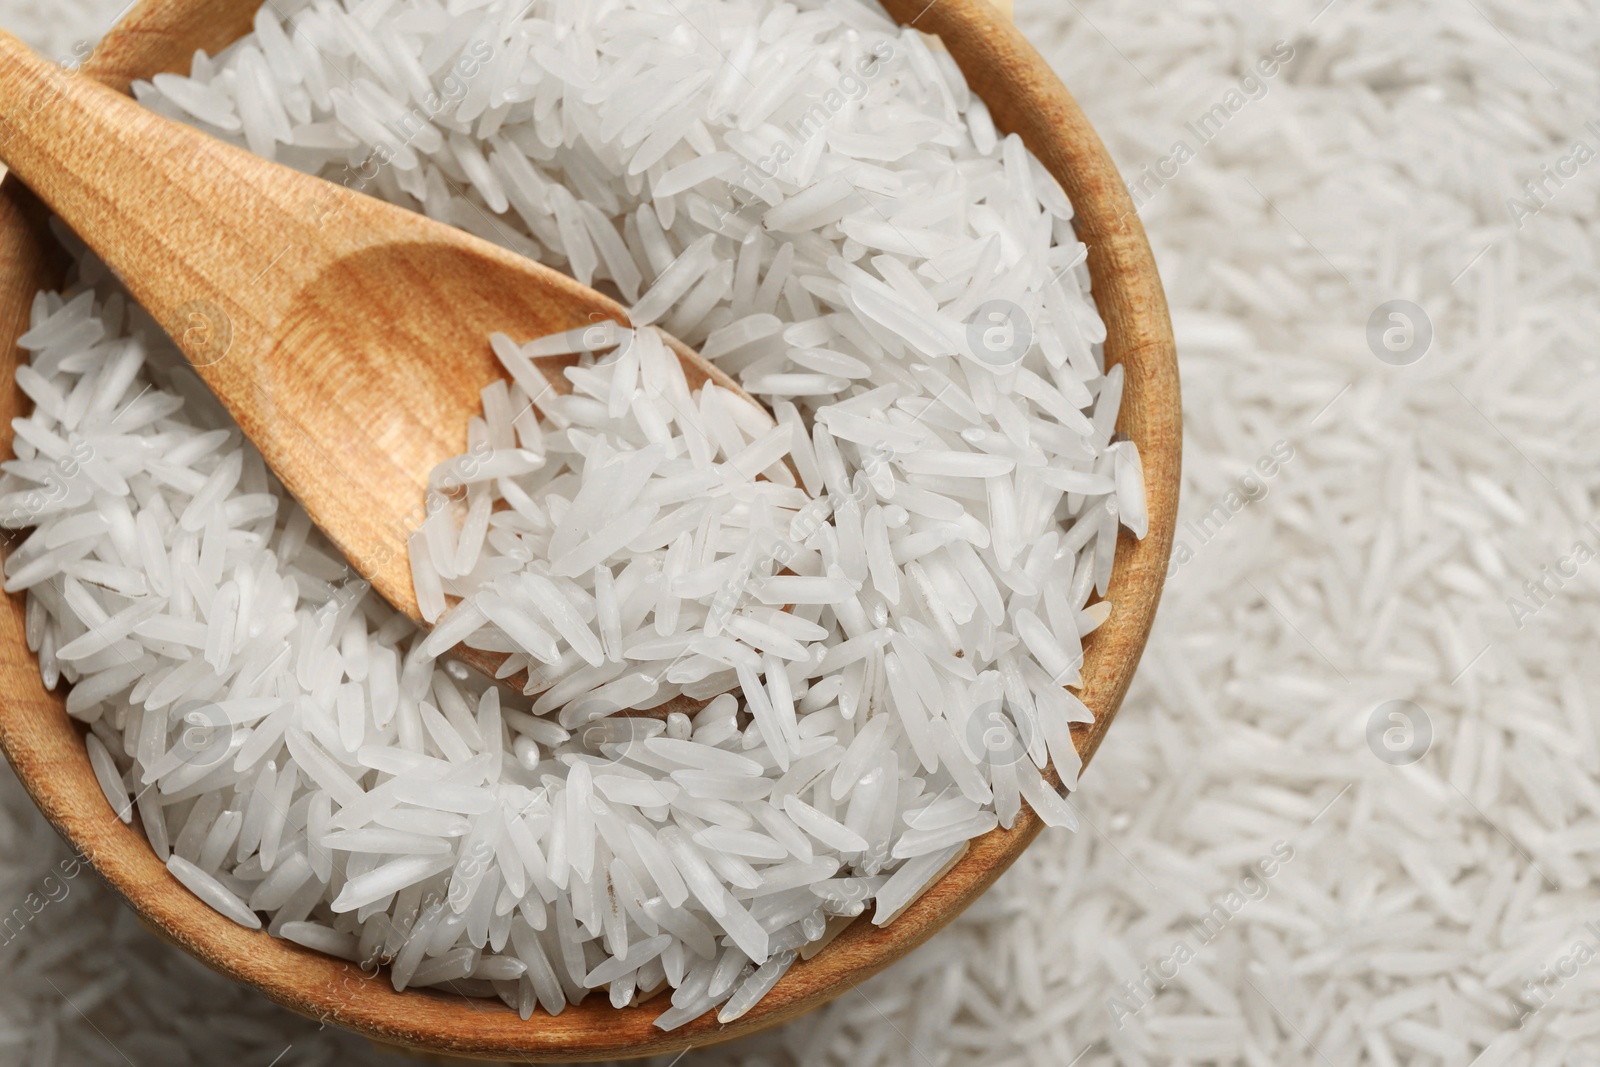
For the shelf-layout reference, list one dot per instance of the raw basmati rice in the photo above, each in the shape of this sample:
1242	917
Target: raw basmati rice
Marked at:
838	589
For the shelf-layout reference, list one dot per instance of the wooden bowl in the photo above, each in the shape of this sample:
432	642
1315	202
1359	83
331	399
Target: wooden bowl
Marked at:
48	752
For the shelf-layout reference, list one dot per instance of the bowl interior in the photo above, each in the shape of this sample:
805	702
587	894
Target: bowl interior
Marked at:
46	748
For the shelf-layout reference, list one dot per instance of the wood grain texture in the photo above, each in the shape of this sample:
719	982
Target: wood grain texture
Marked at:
48	753
158	37
348	337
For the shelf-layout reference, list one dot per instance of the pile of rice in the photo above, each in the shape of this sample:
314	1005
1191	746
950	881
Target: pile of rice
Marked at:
1413	924
876	595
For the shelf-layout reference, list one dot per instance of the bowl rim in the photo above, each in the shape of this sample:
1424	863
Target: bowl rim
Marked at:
46	748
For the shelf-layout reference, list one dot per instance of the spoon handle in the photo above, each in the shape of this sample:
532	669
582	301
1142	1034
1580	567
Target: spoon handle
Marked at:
214	242
156	36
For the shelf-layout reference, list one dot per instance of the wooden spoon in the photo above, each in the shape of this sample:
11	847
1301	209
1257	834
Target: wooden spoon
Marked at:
348	337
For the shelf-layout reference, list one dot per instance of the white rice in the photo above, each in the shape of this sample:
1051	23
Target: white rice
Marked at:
887	579
1406	922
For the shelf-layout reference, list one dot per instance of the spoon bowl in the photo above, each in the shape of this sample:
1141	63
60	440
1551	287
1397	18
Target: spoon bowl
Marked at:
47	749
